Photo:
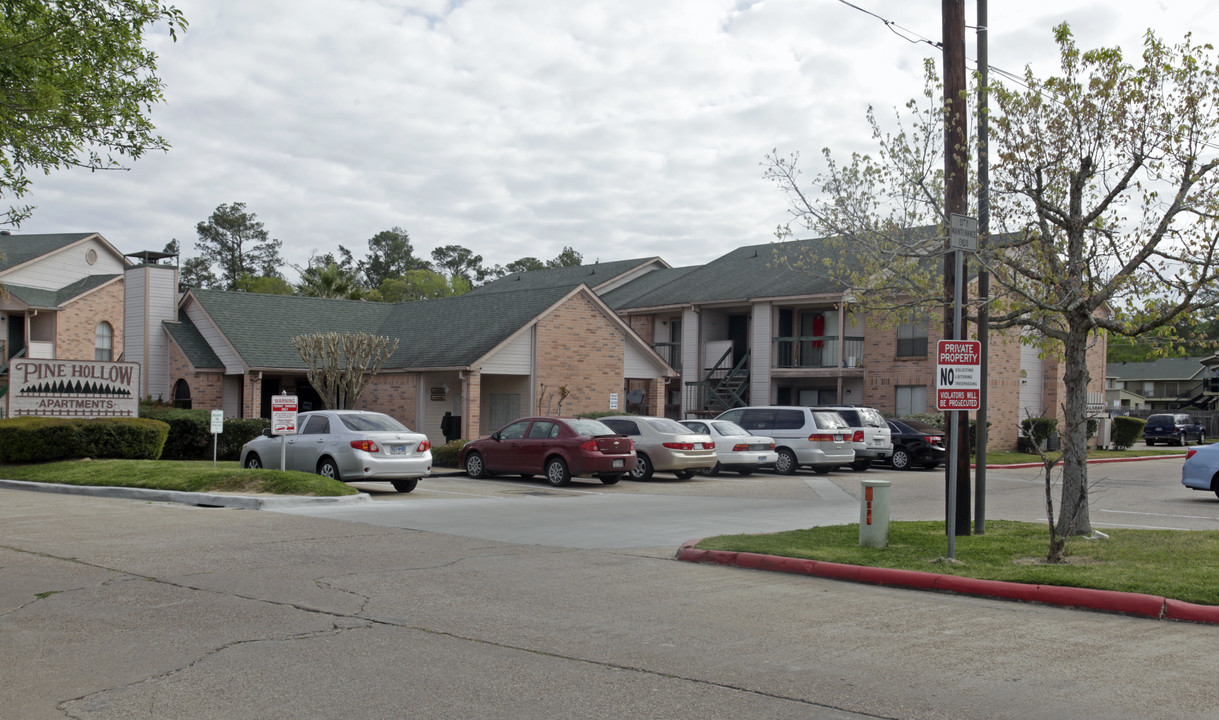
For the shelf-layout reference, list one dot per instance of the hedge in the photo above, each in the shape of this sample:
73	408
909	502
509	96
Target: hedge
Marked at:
190	433
40	439
1126	430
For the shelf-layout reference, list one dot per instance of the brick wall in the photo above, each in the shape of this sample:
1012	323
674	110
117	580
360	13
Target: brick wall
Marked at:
76	325
395	394
251	403
206	388
578	347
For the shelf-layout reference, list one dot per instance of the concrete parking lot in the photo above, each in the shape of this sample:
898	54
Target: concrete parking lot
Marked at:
115	608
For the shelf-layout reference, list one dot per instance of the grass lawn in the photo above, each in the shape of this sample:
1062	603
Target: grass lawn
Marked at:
1171	563
1012	458
185	476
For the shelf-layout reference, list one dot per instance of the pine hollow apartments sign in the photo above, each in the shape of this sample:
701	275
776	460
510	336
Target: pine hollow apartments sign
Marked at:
73	388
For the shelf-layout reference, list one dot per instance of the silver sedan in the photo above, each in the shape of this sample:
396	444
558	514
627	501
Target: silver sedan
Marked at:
665	445
735	448
347	445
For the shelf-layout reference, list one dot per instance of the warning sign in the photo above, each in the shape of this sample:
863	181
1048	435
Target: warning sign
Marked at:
958	375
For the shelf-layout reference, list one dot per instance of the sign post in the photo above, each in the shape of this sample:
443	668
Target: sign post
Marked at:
283	423
958	388
217	428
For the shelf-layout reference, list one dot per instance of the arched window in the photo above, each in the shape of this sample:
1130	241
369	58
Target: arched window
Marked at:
103	342
182	394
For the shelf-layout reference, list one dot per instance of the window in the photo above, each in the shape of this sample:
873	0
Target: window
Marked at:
543	430
182	394
911	400
912	339
317	425
103	342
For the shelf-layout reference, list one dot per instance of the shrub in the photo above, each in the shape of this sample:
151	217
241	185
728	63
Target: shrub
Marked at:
36	439
1038	428
1126	430
446	455
190	433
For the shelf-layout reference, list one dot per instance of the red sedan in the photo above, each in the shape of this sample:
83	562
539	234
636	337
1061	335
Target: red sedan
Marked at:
559	448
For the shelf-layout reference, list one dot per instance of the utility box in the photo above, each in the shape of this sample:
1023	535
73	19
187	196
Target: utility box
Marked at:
874	513
1104	433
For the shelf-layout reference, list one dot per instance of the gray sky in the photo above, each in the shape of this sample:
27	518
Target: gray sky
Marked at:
624	129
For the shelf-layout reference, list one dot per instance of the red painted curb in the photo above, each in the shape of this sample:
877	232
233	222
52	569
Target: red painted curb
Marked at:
1152	606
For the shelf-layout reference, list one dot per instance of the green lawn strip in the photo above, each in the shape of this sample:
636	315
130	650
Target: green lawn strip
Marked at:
1012	458
183	476
1172	563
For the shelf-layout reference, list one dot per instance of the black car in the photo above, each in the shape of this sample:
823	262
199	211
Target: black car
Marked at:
1173	429
916	443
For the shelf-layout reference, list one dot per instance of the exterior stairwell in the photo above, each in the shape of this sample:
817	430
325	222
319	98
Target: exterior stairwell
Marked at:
723	387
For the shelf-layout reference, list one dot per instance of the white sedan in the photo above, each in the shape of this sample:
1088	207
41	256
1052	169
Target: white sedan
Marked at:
735	448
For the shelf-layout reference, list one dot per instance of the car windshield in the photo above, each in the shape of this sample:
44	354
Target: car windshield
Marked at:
871	418
723	427
590	428
372	422
829	420
1160	420
665	425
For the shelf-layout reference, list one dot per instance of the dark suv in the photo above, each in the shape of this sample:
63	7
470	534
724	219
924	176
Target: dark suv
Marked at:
1173	429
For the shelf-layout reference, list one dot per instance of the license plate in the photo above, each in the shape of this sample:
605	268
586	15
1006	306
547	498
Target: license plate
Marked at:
761	458
619	463
397	449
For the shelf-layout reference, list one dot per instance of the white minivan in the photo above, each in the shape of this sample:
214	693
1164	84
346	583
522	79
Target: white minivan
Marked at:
819	439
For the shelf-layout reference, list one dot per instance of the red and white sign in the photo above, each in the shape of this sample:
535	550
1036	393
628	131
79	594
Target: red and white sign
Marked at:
283	414
958	375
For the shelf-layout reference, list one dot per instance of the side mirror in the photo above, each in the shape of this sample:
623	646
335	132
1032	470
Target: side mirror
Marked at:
266	432
495	436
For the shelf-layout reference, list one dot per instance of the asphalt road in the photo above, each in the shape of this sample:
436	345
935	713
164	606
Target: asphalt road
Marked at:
114	608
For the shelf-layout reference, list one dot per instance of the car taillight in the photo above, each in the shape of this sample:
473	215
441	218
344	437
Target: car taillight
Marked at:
424	446
367	446
709	446
740	448
858	436
820	437
679	446
1190	454
589	445
934	439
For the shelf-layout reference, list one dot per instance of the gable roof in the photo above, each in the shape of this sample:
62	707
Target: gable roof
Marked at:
594	276
21	249
41	298
191	342
443	332
1187	368
755	271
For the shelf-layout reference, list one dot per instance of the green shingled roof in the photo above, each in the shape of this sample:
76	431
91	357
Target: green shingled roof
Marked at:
444	332
18	249
751	272
192	344
625	295
1186	368
564	277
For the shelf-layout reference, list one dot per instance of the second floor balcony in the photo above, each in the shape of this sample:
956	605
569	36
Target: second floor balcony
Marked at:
817	351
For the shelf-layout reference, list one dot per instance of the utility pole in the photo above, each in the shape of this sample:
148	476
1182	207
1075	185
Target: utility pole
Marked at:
983	273
956	200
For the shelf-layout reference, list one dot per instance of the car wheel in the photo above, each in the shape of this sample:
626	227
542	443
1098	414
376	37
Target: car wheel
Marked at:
475	466
683	474
610	479
1150	443
786	464
253	462
713	470
1201	438
822	469
642	469
326	467
930	465
405	486
557	472
744	472
861	465
900	459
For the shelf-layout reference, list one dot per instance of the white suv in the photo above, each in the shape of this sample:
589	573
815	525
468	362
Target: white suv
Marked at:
815	437
870	434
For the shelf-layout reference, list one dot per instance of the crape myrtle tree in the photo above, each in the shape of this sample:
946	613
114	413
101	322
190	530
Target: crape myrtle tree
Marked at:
1104	211
77	83
236	242
340	365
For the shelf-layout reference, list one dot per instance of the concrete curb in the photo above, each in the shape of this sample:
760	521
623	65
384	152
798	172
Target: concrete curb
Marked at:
1152	606
243	502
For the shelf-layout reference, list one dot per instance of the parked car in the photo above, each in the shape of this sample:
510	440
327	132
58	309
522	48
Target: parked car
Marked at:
349	446
916	443
559	448
1201	469
735	448
665	445
820	439
870	435
1173	429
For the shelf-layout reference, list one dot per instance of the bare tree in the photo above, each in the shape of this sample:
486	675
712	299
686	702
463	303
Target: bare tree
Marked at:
342	364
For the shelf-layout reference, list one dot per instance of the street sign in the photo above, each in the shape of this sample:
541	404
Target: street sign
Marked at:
283	414
217	422
958	375
963	233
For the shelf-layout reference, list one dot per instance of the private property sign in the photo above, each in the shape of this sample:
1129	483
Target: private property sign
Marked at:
958	375
73	388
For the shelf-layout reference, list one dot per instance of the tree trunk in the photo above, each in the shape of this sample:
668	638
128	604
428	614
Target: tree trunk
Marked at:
1073	516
